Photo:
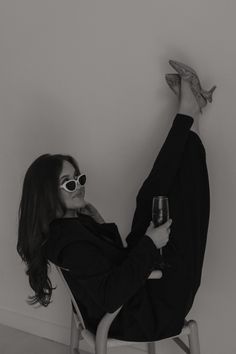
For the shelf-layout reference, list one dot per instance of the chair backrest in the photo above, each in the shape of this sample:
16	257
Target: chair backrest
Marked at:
78	313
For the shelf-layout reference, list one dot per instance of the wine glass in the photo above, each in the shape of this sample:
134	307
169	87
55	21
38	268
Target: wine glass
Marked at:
160	212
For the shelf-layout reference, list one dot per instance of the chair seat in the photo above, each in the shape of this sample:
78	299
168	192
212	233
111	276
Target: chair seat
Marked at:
79	331
111	342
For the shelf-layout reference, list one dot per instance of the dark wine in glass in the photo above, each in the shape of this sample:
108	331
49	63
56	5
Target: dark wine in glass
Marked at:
160	213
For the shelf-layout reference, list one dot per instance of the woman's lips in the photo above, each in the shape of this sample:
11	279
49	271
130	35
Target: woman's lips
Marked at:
79	195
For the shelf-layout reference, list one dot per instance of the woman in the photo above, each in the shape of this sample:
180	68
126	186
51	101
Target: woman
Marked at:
57	224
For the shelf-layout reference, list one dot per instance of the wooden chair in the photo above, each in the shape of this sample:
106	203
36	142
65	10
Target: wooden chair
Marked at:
100	342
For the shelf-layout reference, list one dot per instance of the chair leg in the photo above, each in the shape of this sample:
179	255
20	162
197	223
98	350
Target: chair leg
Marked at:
74	336
193	338
151	348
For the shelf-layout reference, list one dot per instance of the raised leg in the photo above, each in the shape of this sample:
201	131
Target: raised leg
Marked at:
168	161
188	194
162	175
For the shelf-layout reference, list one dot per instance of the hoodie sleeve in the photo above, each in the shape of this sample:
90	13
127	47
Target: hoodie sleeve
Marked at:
109	285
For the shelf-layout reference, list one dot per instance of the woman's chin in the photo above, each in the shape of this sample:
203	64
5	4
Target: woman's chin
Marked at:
81	203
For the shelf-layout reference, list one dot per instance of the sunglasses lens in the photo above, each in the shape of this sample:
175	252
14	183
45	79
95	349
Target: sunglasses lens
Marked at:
82	180
71	186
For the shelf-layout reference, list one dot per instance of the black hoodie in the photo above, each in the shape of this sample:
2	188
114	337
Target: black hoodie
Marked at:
103	273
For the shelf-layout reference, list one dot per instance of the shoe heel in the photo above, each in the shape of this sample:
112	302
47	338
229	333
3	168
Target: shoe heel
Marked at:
208	94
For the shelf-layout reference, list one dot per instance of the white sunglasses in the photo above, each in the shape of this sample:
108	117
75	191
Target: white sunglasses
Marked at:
73	184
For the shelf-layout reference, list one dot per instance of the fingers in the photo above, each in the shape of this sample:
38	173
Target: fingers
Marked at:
164	226
152	225
168	223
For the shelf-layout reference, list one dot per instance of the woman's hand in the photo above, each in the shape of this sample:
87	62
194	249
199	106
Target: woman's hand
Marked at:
90	210
160	234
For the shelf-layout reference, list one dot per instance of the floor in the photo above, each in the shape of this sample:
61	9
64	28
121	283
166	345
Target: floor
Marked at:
13	341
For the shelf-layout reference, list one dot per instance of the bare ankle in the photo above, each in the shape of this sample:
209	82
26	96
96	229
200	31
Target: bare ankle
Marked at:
187	103
195	127
188	110
195	130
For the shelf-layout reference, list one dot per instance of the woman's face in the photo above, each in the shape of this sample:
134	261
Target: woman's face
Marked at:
72	200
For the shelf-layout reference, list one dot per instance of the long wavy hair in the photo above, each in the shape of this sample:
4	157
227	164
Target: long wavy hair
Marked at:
40	204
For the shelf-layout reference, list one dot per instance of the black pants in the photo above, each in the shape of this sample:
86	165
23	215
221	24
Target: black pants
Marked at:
180	173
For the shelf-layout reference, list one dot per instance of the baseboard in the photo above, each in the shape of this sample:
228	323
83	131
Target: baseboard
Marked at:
36	326
45	329
52	331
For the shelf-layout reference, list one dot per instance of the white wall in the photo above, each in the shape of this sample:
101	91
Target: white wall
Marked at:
87	78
